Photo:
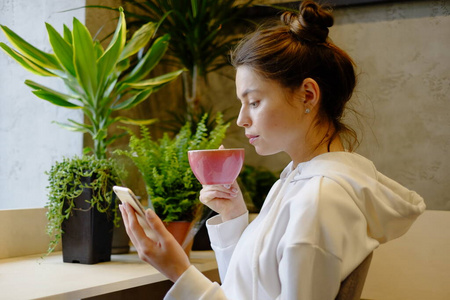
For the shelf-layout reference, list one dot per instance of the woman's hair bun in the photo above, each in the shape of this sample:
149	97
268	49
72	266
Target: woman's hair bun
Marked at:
312	22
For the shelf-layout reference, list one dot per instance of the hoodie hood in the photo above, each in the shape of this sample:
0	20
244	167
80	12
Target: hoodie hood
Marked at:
389	208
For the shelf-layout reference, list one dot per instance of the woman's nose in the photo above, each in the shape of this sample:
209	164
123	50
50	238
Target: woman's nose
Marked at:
243	120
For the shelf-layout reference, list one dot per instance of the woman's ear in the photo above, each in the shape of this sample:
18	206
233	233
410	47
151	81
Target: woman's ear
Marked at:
311	91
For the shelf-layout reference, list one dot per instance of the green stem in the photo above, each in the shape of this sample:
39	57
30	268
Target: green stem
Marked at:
190	84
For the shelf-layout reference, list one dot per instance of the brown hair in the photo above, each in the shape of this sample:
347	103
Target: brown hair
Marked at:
300	49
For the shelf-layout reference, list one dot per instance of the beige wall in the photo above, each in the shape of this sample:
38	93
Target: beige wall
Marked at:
23	232
414	266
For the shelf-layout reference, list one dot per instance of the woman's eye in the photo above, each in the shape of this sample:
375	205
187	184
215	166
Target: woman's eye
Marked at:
254	104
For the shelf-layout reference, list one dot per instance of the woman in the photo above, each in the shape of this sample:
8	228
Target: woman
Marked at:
330	208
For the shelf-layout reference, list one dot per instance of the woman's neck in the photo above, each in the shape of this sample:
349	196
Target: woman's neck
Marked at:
316	146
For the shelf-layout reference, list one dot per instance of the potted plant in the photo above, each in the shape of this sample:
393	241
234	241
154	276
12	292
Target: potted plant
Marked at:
82	208
100	82
171	185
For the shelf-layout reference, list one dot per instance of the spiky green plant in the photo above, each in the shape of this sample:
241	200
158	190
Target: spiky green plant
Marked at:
95	77
200	31
171	185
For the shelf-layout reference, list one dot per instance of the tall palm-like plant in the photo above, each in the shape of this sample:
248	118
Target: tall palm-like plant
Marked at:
99	81
198	28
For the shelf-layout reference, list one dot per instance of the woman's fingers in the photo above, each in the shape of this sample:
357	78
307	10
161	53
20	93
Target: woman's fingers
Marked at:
223	199
165	254
157	225
134	229
207	196
126	220
211	192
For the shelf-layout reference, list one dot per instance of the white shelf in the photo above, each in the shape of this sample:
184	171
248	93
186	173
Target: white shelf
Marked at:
31	277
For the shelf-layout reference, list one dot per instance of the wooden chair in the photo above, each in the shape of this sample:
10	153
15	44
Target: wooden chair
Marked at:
352	286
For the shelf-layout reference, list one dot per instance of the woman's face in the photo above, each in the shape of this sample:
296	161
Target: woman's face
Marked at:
272	123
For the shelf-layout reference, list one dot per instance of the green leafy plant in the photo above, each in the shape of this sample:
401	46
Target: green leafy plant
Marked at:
100	81
171	185
67	180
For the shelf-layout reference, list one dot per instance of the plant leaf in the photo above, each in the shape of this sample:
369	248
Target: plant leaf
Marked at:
87	150
37	86
130	121
133	101
55	99
71	127
150	59
63	50
25	62
67	34
100	135
40	58
89	128
155	82
85	59
98	49
139	39
123	65
194	8
108	60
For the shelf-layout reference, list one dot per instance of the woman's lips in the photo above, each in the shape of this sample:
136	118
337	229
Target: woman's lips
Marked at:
251	138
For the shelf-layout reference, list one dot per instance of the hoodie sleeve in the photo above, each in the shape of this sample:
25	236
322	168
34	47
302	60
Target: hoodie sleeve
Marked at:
224	236
193	285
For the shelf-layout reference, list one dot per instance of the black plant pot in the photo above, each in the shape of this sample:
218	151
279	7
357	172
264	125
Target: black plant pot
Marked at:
87	233
121	241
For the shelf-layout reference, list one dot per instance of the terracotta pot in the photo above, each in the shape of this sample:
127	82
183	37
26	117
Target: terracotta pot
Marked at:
180	230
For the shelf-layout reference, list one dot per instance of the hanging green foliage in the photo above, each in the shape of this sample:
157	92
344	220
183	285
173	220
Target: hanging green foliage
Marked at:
67	180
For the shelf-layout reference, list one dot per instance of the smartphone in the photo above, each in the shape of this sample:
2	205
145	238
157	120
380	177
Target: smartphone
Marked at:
127	196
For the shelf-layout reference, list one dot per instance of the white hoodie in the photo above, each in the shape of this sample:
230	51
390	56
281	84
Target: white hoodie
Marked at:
318	223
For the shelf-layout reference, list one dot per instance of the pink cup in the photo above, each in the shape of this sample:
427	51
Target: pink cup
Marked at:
216	166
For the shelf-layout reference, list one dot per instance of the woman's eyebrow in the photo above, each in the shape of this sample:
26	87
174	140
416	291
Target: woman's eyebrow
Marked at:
248	91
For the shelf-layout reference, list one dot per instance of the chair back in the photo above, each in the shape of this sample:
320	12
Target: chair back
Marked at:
352	286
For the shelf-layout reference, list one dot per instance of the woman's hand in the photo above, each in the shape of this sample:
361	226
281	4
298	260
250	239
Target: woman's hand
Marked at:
225	200
165	254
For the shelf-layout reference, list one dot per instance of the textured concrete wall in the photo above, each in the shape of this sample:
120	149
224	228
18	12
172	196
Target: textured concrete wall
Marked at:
403	58
29	142
402	55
